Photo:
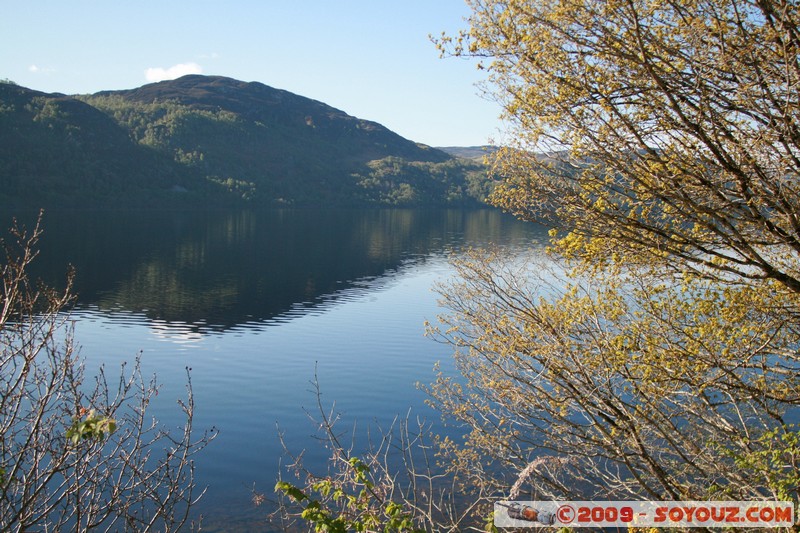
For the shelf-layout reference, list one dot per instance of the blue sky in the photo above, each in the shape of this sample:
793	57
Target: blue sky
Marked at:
369	58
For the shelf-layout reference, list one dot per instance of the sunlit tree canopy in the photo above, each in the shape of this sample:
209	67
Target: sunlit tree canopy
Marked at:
661	142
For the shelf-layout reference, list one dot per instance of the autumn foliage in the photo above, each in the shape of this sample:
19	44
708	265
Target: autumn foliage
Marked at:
661	141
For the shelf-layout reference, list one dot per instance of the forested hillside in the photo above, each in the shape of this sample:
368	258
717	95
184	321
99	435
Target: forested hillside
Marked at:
218	141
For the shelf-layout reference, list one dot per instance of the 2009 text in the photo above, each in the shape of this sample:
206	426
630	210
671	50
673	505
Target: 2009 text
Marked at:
645	513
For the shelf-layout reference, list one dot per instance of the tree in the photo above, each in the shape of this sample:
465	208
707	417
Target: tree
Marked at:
78	454
661	140
619	387
674	125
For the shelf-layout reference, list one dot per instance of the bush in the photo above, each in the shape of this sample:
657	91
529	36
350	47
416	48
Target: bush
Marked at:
78	454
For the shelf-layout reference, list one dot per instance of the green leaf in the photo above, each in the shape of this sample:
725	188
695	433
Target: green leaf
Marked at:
290	490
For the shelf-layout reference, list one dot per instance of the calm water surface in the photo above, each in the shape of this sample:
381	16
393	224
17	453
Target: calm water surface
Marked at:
256	303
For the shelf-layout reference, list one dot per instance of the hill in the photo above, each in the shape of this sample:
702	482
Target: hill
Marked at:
54	147
476	153
218	141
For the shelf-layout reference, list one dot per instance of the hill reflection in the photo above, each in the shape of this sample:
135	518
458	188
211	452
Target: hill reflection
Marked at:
198	272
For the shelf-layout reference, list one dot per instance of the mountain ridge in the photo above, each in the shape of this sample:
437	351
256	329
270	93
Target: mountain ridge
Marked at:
217	141
256	101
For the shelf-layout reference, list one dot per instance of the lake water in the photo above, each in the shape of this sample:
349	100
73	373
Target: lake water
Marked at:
256	302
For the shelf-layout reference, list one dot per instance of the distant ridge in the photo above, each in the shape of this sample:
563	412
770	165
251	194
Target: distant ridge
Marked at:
212	140
477	153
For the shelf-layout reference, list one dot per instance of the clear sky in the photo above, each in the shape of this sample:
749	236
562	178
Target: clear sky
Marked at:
370	58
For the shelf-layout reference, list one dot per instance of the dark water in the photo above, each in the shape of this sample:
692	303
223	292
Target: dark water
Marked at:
256	303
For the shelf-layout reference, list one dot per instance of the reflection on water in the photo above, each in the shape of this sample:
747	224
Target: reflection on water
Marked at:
219	270
256	303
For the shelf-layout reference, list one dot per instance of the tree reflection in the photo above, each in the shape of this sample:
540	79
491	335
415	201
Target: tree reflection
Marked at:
220	269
